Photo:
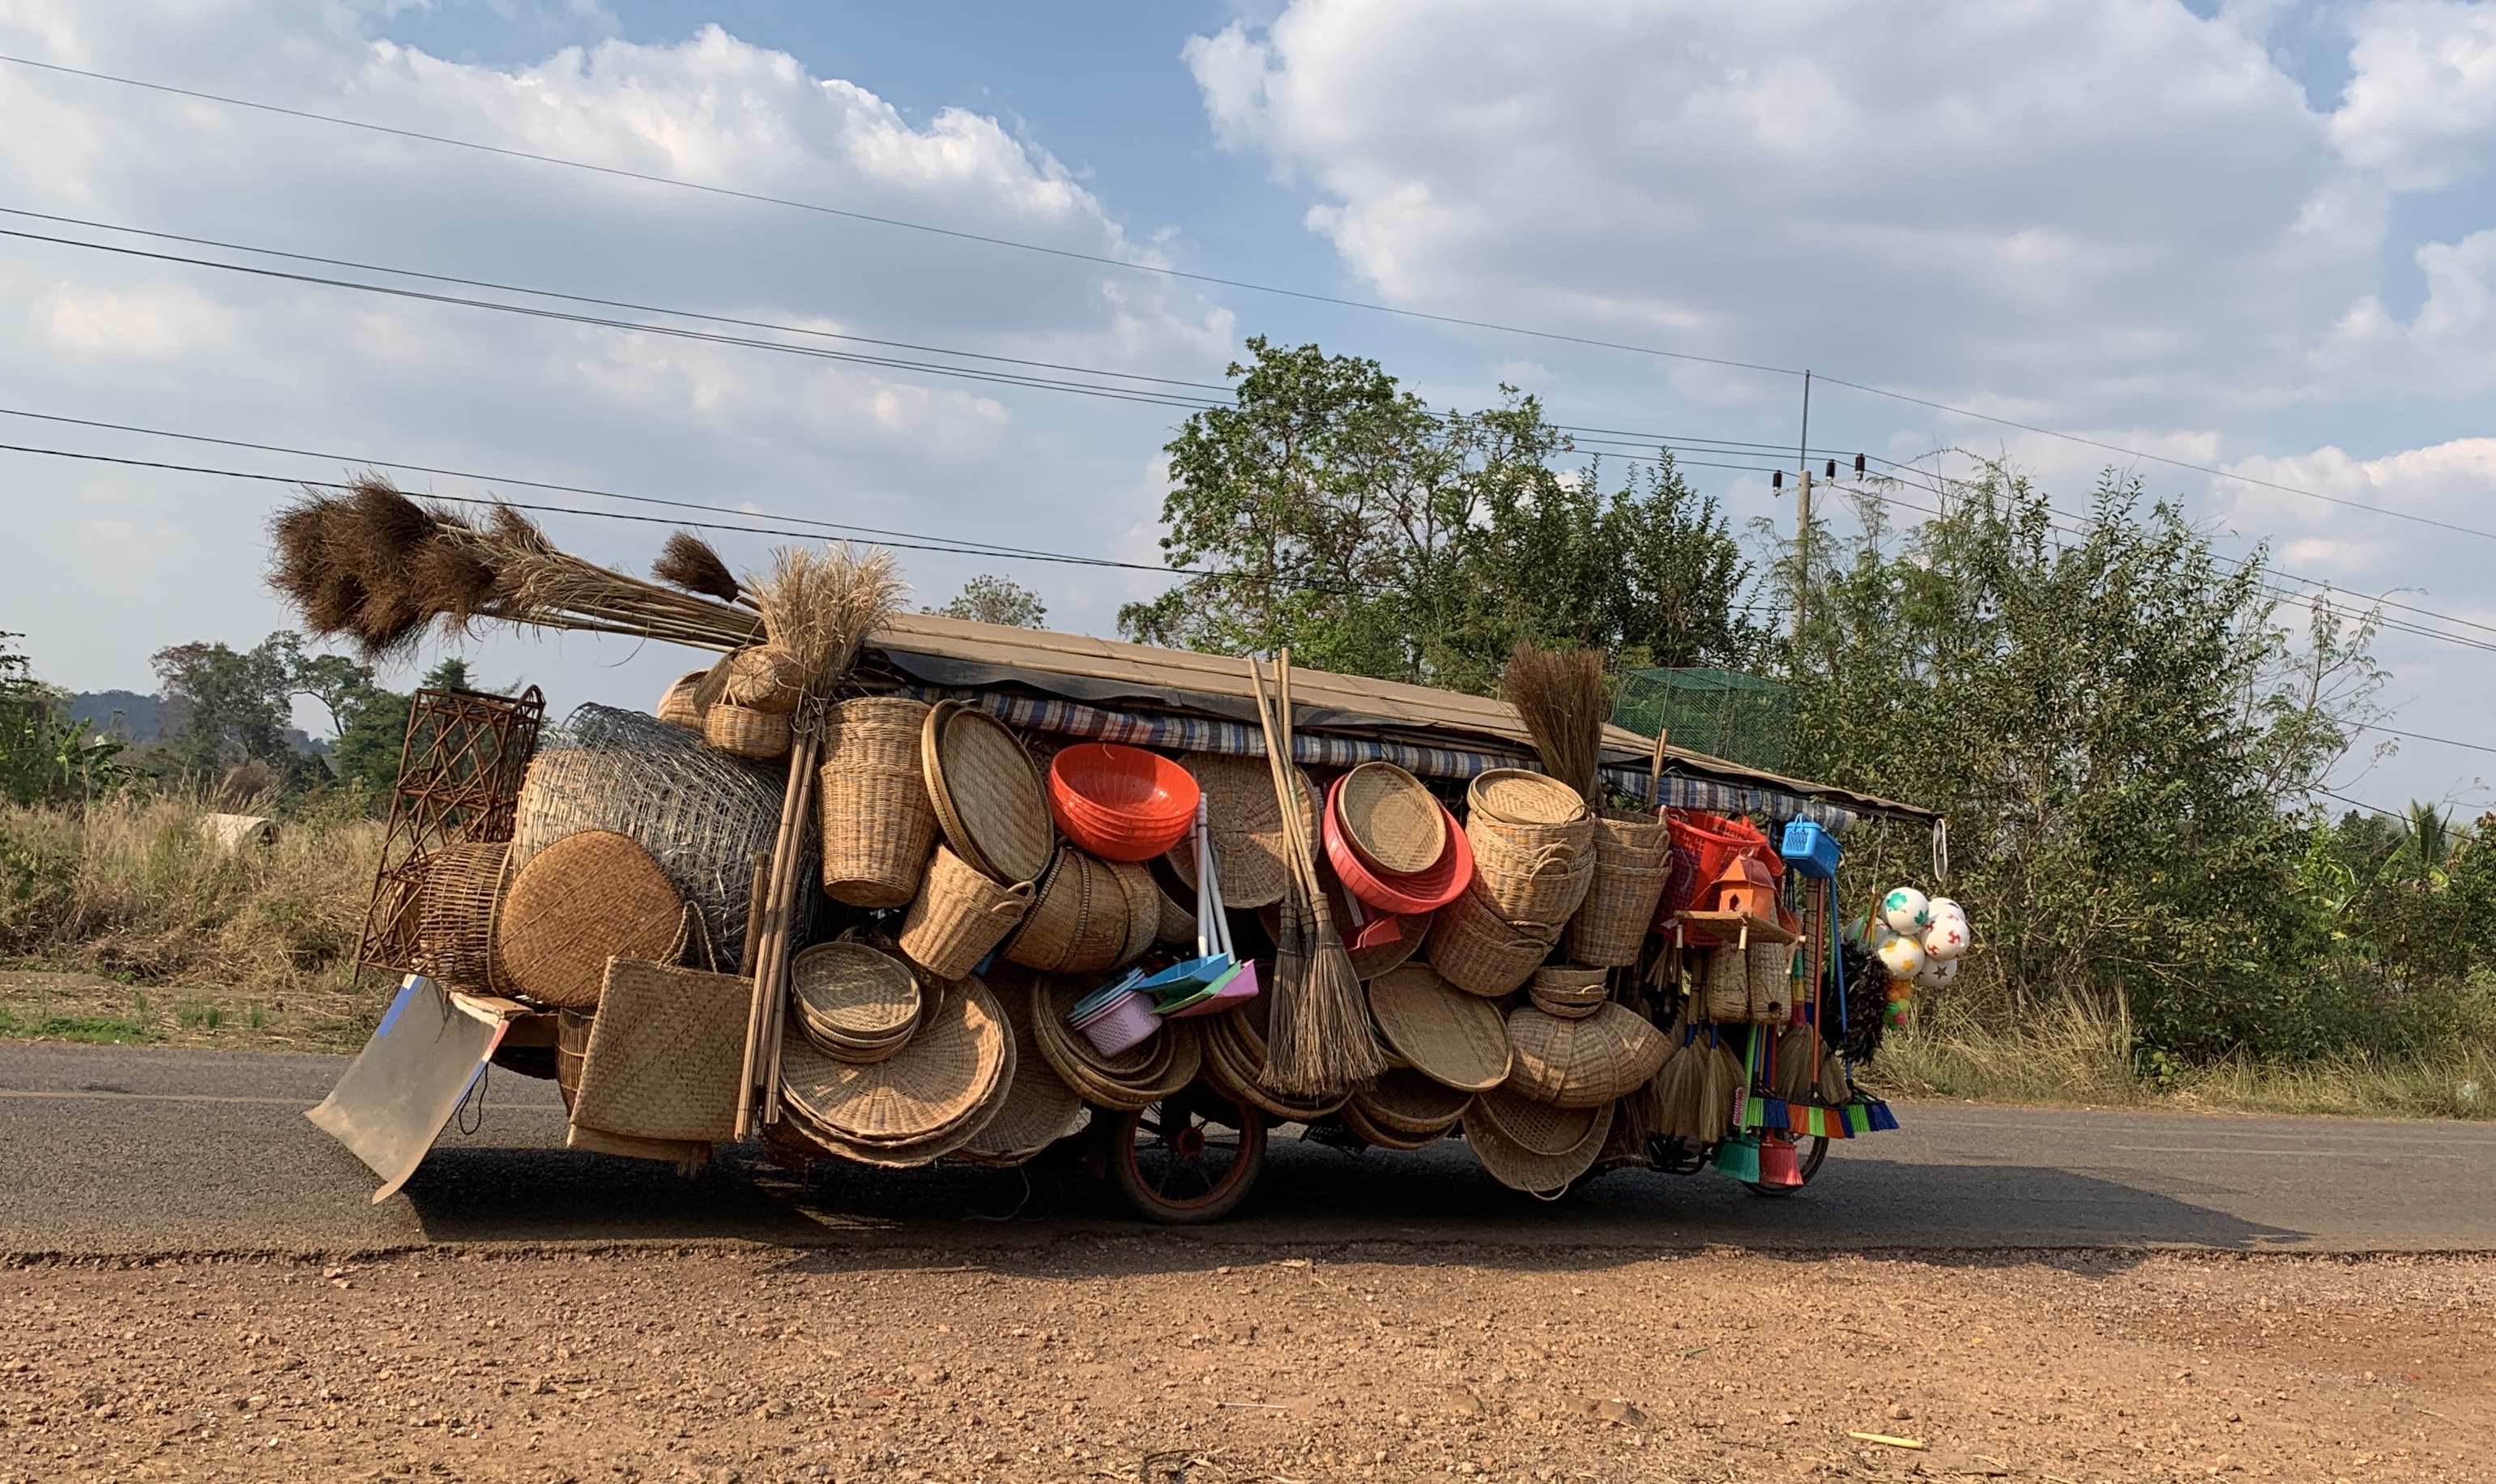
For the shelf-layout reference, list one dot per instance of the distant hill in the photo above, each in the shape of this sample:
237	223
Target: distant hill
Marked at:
144	717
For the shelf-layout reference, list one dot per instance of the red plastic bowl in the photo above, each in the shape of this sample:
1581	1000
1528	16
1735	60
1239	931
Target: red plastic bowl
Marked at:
1121	803
1422	891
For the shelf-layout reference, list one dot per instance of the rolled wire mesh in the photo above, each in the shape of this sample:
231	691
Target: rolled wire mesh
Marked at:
705	816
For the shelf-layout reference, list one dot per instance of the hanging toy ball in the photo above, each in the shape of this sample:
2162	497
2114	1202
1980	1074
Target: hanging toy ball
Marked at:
1937	973
1906	911
1903	957
1945	939
1895	1007
1946	906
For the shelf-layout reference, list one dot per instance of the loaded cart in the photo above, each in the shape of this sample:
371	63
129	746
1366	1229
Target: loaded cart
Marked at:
893	888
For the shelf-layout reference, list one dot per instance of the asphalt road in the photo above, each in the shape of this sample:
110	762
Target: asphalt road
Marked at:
132	1151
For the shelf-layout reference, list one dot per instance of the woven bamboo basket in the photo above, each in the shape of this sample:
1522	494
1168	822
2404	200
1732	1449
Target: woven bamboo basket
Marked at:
1572	993
1633	866
676	707
586	898
1583	1064
1533	1126
1725	987
1519	1168
1244	819
572	1028
1079	922
1391	819
988	797
454	915
1769	982
1519	796
1404	1101
764	677
854	1002
1533	873
958	916
1446	1035
742	732
878	825
1235	1053
1478	951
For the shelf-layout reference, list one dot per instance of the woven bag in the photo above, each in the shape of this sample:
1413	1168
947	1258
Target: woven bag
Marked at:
1633	866
1478	951
676	707
1078	920
743	732
665	1058
764	677
958	916
878	825
1770	983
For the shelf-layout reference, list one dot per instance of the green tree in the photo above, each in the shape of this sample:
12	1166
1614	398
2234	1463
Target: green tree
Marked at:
234	706
43	755
989	599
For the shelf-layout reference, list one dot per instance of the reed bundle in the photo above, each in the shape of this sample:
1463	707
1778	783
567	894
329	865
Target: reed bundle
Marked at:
689	562
821	605
1559	695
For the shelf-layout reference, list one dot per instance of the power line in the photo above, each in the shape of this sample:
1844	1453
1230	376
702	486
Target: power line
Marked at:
2419	736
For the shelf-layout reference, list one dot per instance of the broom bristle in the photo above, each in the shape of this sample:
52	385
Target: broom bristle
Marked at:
821	605
689	562
1559	695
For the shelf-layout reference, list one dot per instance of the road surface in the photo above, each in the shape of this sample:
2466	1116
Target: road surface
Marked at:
129	1151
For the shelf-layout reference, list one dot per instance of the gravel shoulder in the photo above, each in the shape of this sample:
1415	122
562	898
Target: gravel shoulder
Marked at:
1150	1359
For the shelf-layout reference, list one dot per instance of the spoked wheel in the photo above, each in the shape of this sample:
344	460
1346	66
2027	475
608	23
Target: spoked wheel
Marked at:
1188	1160
1807	1159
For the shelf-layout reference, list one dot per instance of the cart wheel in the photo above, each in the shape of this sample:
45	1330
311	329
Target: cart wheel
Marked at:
1808	1161
1188	1160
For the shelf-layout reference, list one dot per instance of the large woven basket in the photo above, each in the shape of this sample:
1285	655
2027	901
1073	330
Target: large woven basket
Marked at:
586	898
1078	921
454	915
666	1053
1580	1063
744	731
764	677
987	793
1569	992
1446	1035
878	823
958	916
1533	873
1633	866
1478	951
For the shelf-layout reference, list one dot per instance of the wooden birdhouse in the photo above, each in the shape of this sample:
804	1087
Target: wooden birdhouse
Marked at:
1746	887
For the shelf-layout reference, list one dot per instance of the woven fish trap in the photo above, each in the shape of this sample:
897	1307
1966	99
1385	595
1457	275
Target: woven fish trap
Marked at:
676	706
456	898
584	900
1580	1063
958	916
878	825
705	816
742	732
1079	920
1632	867
1769	982
1519	1168
1533	873
764	677
1479	953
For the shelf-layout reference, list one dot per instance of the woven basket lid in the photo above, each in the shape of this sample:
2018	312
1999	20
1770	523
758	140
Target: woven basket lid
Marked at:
1519	1168
1447	1035
852	995
1538	1128
584	899
1577	1063
1039	1109
987	793
1520	797
1403	1101
1391	818
1246	823
934	1084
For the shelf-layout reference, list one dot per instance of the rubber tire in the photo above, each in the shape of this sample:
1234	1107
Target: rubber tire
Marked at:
1810	1163
1124	1131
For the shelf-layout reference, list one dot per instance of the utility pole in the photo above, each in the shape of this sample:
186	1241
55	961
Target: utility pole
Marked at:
1802	518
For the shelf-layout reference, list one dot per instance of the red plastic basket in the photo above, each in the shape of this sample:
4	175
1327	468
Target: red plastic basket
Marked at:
1121	803
1422	891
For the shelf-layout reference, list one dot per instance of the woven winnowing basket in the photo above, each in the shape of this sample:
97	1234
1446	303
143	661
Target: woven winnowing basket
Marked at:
1519	797
1536	1127
958	916
1519	1168
666	1053
1390	819
1479	953
878	825
1581	1063
703	816
743	732
1533	873
1633	866
1447	1036
1078	921
454	915
1244	819
987	793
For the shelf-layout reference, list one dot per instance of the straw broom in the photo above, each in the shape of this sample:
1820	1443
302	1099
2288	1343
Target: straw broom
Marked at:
1559	695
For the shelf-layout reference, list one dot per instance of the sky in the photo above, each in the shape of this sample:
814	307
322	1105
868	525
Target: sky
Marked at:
2245	252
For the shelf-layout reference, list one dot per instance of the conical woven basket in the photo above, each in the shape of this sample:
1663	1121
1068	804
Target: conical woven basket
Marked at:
1577	1063
1725	986
878	825
1444	1034
1079	922
958	916
1519	1168
764	677
583	900
742	732
1633	866
1478	951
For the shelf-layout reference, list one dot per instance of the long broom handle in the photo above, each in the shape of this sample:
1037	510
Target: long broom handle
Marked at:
809	757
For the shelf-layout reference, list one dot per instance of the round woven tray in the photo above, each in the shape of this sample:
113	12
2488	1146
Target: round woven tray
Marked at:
1516	796
1357	1118
910	1154
1578	1063
1390	819
1245	820
1234	1066
1039	1109
1446	1035
853	1002
1519	1168
1538	1128
1142	1075
987	793
1405	1101
583	900
949	1069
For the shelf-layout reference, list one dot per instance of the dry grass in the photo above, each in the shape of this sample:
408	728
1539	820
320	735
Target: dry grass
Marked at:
165	927
2074	1055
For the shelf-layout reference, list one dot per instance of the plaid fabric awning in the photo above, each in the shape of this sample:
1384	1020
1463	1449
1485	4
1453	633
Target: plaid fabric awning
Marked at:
1334	750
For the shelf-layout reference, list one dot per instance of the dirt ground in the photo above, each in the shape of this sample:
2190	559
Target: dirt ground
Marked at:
1167	1361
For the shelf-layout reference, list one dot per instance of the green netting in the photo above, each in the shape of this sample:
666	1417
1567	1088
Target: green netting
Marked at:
1721	713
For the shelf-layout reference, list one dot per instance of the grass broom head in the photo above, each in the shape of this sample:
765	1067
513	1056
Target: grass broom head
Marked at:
1559	695
1797	1078
689	562
349	565
821	605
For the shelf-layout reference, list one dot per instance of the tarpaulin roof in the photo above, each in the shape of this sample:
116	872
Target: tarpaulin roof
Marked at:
959	654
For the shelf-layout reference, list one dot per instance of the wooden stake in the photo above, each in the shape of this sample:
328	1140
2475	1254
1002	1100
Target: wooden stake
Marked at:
772	954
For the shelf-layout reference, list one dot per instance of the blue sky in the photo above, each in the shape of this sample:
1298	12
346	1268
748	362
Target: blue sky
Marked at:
2257	237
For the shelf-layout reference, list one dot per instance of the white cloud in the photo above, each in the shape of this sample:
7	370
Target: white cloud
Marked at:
2420	108
146	324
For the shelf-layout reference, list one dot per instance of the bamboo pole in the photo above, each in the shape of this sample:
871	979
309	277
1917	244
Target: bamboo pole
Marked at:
806	758
772	954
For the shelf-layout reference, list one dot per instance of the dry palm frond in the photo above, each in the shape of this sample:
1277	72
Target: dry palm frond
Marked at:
689	562
821	605
1559	695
